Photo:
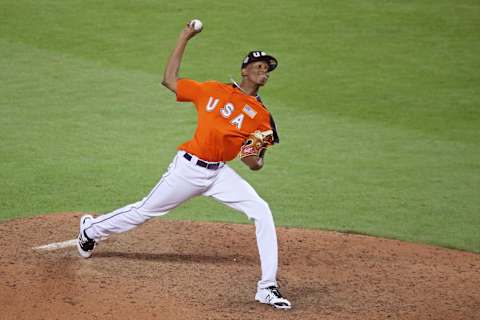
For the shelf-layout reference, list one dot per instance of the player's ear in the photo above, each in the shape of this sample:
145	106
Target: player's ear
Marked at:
244	72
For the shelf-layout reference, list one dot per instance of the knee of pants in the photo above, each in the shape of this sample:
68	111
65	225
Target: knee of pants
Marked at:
145	213
260	211
137	216
148	209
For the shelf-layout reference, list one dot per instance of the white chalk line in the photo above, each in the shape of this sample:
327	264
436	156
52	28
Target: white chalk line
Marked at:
56	245
62	245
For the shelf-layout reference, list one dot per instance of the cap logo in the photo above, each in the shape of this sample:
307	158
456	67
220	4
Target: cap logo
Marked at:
258	54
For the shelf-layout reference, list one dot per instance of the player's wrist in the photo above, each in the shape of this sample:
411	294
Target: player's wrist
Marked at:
186	35
183	38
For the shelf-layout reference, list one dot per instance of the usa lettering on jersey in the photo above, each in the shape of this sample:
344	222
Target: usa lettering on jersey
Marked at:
227	110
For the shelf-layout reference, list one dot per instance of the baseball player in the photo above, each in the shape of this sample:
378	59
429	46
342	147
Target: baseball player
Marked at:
232	120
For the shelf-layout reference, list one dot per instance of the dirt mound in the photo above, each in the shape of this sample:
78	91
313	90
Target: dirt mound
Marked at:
190	270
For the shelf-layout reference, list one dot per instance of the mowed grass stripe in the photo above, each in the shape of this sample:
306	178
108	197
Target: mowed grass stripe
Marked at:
71	127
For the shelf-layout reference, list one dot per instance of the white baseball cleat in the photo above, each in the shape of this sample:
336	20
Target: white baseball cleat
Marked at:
273	297
85	245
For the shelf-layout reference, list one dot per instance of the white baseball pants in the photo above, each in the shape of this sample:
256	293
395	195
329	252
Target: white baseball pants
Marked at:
184	180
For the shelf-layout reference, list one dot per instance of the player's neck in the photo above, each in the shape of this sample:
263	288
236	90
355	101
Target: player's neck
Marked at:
249	88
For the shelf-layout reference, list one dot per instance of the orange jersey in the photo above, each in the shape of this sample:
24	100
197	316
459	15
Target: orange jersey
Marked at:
226	117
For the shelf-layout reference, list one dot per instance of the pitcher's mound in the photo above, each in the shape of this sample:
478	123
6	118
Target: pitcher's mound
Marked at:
190	270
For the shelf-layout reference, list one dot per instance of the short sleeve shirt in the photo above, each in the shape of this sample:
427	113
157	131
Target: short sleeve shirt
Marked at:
226	116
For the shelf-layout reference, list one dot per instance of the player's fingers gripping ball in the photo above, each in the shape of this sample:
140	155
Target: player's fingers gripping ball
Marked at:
256	142
196	24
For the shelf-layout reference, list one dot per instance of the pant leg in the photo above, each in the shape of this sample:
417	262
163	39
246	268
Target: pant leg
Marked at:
232	190
180	183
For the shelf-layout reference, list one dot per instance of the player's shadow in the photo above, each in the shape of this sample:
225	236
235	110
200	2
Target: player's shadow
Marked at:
176	257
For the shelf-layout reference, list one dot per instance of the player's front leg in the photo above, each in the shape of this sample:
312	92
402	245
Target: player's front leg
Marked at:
235	192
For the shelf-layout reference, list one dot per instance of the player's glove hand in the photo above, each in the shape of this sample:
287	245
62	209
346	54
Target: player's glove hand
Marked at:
256	142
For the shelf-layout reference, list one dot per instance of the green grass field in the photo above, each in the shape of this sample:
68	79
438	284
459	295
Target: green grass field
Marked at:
377	103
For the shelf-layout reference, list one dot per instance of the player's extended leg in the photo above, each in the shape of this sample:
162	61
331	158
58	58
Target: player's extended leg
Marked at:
177	185
232	190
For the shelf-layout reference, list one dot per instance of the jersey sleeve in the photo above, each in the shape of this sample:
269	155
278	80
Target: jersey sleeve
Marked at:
188	90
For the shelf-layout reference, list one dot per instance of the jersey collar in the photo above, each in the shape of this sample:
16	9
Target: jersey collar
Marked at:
236	85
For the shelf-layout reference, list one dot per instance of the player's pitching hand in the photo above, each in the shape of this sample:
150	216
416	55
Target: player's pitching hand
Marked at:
191	29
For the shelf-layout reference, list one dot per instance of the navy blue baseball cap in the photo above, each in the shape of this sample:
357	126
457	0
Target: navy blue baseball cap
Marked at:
253	56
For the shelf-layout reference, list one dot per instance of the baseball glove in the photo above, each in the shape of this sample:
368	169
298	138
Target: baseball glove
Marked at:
256	142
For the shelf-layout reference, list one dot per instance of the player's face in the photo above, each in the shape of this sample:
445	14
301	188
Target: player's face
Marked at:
257	72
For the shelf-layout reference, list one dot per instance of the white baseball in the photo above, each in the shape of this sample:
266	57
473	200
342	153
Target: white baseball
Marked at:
197	24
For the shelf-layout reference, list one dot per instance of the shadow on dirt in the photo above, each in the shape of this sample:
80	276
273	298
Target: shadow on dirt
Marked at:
176	257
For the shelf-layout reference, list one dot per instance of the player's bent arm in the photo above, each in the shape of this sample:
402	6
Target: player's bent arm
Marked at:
170	75
255	163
